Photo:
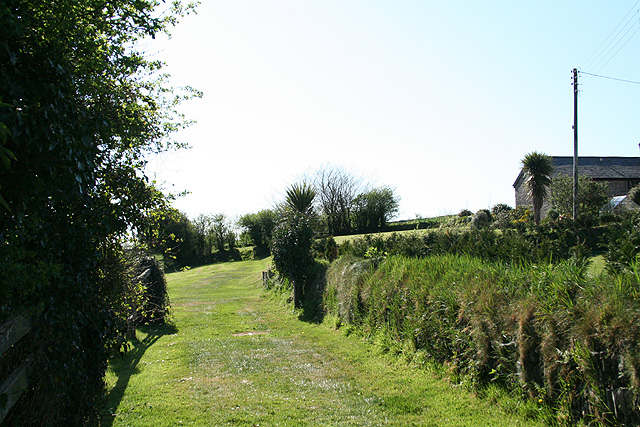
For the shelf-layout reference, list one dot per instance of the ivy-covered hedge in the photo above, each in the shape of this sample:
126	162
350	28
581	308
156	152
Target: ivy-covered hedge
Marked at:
80	112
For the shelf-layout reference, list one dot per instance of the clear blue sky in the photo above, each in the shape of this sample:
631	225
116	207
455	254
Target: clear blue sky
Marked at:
439	99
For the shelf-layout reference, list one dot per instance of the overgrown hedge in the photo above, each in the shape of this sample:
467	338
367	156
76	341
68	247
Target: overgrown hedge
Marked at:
549	332
526	242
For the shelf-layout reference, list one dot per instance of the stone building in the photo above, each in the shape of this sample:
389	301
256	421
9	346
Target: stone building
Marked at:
619	173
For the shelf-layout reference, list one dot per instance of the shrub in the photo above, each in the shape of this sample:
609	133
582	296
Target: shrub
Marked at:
623	244
500	208
330	249
634	194
481	219
154	307
591	195
291	249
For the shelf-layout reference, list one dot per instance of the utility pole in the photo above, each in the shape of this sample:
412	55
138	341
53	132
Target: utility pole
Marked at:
575	143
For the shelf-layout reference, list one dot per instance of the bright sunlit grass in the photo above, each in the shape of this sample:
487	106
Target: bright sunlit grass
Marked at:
238	357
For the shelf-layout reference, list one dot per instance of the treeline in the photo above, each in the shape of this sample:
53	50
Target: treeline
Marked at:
339	203
180	241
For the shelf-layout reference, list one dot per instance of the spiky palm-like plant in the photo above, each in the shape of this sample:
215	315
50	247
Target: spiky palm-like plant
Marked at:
537	168
300	197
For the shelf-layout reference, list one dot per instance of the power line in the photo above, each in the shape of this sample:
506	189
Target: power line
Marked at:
610	78
607	38
616	52
600	53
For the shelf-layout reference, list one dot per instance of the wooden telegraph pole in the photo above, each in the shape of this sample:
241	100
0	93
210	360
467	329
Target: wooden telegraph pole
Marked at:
575	143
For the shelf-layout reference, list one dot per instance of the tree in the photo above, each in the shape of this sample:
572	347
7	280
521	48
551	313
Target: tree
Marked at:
336	190
634	194
172	235
80	111
204	239
373	209
537	168
592	196
292	238
222	232
300	197
260	227
291	250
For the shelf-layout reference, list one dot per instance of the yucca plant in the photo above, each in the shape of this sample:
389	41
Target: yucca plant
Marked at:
300	198
537	168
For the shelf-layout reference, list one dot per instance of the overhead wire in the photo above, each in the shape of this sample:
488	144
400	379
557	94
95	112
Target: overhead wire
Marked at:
601	54
610	78
619	49
607	38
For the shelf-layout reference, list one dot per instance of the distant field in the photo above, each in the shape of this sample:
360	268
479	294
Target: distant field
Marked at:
433	224
341	239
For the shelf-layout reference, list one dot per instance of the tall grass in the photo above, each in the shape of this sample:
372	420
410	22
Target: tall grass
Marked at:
550	333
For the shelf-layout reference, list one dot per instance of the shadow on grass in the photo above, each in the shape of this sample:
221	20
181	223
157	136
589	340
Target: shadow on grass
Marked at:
312	304
126	366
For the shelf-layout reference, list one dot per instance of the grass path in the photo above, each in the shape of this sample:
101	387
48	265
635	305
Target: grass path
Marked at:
238	358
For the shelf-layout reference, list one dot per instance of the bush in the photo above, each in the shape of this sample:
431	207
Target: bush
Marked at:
500	208
634	194
481	219
154	307
550	242
291	248
623	244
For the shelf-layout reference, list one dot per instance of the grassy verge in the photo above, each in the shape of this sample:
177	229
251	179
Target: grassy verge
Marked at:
238	357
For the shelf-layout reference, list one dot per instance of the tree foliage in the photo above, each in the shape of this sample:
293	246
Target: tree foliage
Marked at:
185	242
172	235
80	111
374	208
300	198
592	196
336	190
291	250
537	168
481	219
259	227
634	194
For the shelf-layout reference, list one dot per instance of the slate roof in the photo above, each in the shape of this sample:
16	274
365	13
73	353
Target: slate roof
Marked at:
598	168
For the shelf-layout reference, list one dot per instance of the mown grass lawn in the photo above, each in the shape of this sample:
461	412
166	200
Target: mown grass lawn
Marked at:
238	357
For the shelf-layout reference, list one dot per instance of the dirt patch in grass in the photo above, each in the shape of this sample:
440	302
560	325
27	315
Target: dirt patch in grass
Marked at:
244	334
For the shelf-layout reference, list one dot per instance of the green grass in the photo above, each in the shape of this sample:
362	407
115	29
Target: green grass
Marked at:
341	239
239	357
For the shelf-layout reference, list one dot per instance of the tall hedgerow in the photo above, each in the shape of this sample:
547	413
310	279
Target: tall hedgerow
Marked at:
552	333
81	110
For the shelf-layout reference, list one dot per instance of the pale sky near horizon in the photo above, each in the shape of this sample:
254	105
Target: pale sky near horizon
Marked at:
437	99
